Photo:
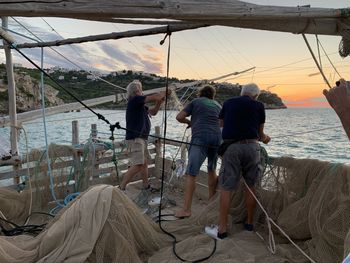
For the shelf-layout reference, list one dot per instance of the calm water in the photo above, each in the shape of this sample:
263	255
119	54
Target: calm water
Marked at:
301	133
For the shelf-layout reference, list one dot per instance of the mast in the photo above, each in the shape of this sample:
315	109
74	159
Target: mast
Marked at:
11	93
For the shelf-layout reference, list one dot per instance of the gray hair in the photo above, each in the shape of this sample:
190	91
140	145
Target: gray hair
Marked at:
250	89
133	87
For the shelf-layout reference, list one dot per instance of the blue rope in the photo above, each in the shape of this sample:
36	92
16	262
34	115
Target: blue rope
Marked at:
45	131
70	197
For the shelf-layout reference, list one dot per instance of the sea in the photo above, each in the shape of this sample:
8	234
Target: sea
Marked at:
314	133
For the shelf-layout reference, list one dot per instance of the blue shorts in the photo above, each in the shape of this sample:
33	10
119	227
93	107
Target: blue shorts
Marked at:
240	160
197	154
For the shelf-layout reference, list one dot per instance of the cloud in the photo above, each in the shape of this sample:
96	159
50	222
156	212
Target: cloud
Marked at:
122	56
131	60
103	55
151	48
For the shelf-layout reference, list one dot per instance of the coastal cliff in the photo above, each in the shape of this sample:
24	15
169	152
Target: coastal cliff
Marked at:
28	93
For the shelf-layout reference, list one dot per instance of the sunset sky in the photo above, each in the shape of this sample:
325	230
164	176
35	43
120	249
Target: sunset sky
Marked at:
282	60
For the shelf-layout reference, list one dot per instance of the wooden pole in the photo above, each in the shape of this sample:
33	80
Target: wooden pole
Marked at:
166	9
75	132
114	35
34	114
158	144
11	93
310	20
94	131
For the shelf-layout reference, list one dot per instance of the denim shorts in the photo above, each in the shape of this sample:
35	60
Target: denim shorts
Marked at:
240	159
197	154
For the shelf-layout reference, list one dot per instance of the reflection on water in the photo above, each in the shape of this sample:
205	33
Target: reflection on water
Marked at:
288	128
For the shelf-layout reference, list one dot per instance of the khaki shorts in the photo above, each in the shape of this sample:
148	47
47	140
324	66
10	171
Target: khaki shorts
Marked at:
240	160
137	151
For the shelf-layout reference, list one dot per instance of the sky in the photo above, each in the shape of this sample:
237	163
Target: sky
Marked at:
282	62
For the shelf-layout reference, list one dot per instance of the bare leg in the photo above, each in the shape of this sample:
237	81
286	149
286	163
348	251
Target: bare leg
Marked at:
145	175
250	204
189	190
132	171
225	202
212	183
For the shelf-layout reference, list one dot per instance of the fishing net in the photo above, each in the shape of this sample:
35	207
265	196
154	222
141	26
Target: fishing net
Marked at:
308	199
103	225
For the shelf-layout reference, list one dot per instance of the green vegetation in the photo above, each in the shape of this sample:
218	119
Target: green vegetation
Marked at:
80	84
4	95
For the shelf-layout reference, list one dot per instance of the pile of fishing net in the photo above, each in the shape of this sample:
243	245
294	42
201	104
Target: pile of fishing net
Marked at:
102	225
308	199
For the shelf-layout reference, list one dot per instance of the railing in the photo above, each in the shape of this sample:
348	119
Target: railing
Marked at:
14	172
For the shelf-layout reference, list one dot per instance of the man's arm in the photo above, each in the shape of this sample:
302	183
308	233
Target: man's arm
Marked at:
339	99
158	99
263	137
182	117
154	110
221	123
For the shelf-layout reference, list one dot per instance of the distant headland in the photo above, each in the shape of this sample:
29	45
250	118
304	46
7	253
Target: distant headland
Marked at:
91	85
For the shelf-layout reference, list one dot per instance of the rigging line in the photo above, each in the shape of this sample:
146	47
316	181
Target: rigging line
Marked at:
253	75
42	87
290	70
131	43
71	46
19	34
285	65
329	60
72	62
311	131
75	64
222	58
314	58
192	85
318	50
163	164
67	119
100	116
232	45
188	65
218	39
200	54
28	171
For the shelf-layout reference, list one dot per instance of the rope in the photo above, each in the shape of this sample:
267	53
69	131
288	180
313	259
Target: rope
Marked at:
317	64
42	87
310	131
329	60
163	164
272	246
28	173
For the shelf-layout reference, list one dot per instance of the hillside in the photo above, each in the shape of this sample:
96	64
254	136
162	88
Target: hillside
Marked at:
85	86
